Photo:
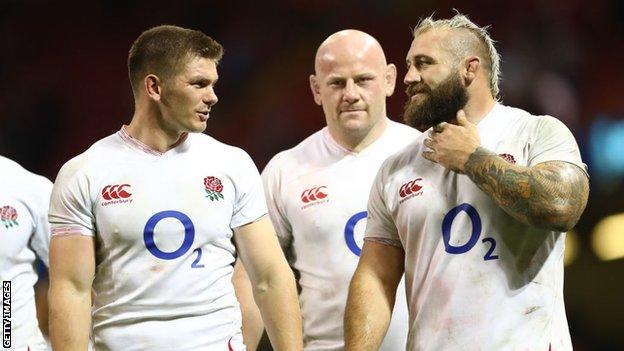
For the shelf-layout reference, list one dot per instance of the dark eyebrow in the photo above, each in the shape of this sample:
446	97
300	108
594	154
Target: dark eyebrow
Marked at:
420	57
203	79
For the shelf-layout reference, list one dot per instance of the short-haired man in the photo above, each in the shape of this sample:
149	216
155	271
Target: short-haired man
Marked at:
474	211
145	217
317	191
24	237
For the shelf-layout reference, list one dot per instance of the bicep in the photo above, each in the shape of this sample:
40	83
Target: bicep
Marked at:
258	247
382	262
72	260
564	179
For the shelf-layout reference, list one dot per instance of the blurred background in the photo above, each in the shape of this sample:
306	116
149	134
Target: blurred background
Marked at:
63	85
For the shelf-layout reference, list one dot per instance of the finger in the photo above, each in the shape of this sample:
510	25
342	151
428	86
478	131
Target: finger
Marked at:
429	143
429	155
438	128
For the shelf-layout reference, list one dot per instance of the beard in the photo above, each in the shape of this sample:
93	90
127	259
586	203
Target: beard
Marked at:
439	105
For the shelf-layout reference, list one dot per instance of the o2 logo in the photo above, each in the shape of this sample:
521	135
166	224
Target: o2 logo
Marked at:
189	237
475	219
349	232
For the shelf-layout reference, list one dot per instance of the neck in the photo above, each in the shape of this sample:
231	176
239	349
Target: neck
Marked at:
355	142
148	127
478	106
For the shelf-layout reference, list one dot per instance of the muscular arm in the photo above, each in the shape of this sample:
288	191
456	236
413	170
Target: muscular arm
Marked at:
551	195
252	319
72	268
272	282
371	296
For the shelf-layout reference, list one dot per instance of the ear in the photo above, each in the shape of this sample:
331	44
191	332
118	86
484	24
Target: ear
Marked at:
316	92
471	68
391	74
153	87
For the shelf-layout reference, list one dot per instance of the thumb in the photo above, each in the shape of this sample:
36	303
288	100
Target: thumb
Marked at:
461	119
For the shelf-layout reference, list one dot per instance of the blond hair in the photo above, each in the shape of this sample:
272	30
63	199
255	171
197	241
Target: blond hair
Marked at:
485	49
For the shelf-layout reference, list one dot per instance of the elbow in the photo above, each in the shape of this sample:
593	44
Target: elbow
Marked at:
559	218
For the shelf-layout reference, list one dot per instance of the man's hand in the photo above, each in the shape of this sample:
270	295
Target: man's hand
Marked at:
451	145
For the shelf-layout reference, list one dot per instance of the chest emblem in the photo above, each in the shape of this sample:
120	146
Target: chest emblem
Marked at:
509	158
213	188
116	194
8	215
314	196
410	189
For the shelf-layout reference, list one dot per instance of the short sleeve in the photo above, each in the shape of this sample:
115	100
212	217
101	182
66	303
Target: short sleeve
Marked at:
554	142
70	204
272	183
249	203
380	226
40	240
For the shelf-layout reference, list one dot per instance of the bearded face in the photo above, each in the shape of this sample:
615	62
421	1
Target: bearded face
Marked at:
427	107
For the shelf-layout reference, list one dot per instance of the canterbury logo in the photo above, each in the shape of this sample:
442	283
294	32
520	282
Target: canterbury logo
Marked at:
111	192
410	187
313	194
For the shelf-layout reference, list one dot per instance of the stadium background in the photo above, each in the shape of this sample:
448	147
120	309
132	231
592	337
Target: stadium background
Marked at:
63	85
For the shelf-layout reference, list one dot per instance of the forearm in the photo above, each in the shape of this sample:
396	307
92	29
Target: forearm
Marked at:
276	298
551	196
368	312
252	319
70	317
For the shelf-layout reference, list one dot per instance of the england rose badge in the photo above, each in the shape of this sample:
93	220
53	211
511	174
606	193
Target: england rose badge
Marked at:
213	188
8	215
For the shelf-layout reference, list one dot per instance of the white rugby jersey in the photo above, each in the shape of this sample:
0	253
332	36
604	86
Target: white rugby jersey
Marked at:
476	278
24	236
317	194
163	228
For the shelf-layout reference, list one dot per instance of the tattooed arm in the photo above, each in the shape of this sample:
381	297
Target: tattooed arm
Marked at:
550	195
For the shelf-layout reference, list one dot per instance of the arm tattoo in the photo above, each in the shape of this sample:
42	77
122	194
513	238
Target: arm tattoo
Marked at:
551	195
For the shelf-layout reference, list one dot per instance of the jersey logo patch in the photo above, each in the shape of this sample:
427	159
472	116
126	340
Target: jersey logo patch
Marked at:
410	190
313	196
509	158
116	194
8	215
213	188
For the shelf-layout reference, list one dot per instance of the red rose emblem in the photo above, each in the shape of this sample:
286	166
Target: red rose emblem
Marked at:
8	216
12	214
4	212
213	184
509	158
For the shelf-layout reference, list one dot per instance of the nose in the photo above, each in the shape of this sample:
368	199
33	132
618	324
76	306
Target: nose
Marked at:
412	76
350	93
210	97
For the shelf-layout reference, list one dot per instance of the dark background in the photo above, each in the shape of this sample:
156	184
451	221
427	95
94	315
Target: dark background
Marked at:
63	85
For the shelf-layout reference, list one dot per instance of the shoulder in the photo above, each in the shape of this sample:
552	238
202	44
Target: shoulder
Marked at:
23	184
536	124
209	149
402	130
405	156
293	160
93	160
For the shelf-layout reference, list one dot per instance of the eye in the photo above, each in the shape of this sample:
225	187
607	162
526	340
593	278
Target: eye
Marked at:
336	83
363	80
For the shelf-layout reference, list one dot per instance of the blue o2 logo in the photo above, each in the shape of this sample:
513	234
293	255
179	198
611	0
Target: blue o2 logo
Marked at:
475	219
349	232
189	237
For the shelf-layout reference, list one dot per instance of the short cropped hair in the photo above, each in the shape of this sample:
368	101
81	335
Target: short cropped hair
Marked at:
485	50
164	50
